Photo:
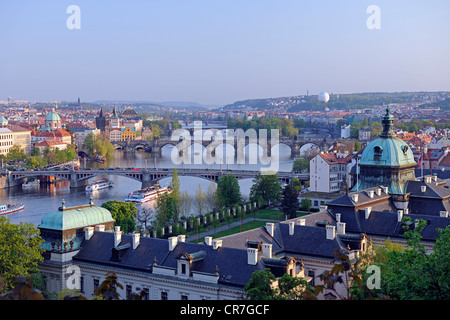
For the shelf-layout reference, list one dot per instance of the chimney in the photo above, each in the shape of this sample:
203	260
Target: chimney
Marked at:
323	207
136	237
217	244
331	232
172	243
406	211
341	227
181	238
117	236
208	241
355	197
88	232
252	256
423	188
100	227
399	215
338	217
435	178
267	250
370	193
386	190
443	214
301	222
291	228
367	212
378	191
270	226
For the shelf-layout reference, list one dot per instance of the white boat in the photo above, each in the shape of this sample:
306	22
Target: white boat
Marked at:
147	194
31	183
10	208
99	184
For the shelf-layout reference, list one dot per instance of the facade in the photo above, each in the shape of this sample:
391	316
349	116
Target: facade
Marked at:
6	140
22	138
115	135
328	171
127	134
364	133
82	237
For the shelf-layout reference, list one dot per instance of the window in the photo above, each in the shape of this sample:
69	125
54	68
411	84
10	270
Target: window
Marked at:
96	284
311	274
377	151
146	294
163	295
184	297
183	268
128	291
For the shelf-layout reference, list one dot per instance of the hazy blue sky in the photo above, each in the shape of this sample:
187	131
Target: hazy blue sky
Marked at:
220	51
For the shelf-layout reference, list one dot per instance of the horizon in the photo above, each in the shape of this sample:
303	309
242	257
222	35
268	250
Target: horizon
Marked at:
222	52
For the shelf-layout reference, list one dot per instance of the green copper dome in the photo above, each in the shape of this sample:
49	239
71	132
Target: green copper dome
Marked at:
52	116
386	161
75	217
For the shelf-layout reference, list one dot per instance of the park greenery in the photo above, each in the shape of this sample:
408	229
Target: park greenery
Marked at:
97	145
124	214
285	126
38	159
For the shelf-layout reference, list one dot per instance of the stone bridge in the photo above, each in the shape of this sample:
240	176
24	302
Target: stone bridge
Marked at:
155	146
79	178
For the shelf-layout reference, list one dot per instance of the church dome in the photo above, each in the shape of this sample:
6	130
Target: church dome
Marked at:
387	149
386	161
52	116
75	218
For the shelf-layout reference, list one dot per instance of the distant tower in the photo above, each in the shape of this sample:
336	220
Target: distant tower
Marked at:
79	102
102	122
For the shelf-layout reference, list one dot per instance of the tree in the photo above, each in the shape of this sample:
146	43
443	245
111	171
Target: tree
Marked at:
300	165
259	287
108	288
267	186
289	203
211	197
165	210
175	185
16	153
228	191
200	201
305	204
20	251
97	145
185	204
413	274
124	213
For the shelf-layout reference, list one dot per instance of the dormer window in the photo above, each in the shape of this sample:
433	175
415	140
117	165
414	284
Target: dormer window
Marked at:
405	149
377	151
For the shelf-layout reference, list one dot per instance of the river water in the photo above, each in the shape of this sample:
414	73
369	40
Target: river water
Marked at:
44	199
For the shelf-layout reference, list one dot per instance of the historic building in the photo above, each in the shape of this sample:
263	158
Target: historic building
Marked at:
386	161
53	121
82	238
103	123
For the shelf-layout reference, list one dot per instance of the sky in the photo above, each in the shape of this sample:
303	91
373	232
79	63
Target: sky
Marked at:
215	52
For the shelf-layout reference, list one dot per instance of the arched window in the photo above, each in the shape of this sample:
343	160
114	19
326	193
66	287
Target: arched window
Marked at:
377	151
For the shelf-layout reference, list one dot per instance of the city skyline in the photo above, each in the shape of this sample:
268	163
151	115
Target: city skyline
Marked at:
221	52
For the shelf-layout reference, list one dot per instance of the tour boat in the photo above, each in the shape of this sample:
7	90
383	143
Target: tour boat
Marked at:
99	184
147	194
10	208
31	183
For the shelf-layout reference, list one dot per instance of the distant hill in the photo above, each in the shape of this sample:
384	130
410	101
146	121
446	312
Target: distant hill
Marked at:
443	104
337	101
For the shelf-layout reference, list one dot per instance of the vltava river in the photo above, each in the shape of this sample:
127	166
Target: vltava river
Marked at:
44	199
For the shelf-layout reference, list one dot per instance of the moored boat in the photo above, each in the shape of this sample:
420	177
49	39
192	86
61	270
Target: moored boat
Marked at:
99	184
10	208
31	183
147	194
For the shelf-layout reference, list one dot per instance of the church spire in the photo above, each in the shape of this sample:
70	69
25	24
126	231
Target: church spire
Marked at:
388	124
